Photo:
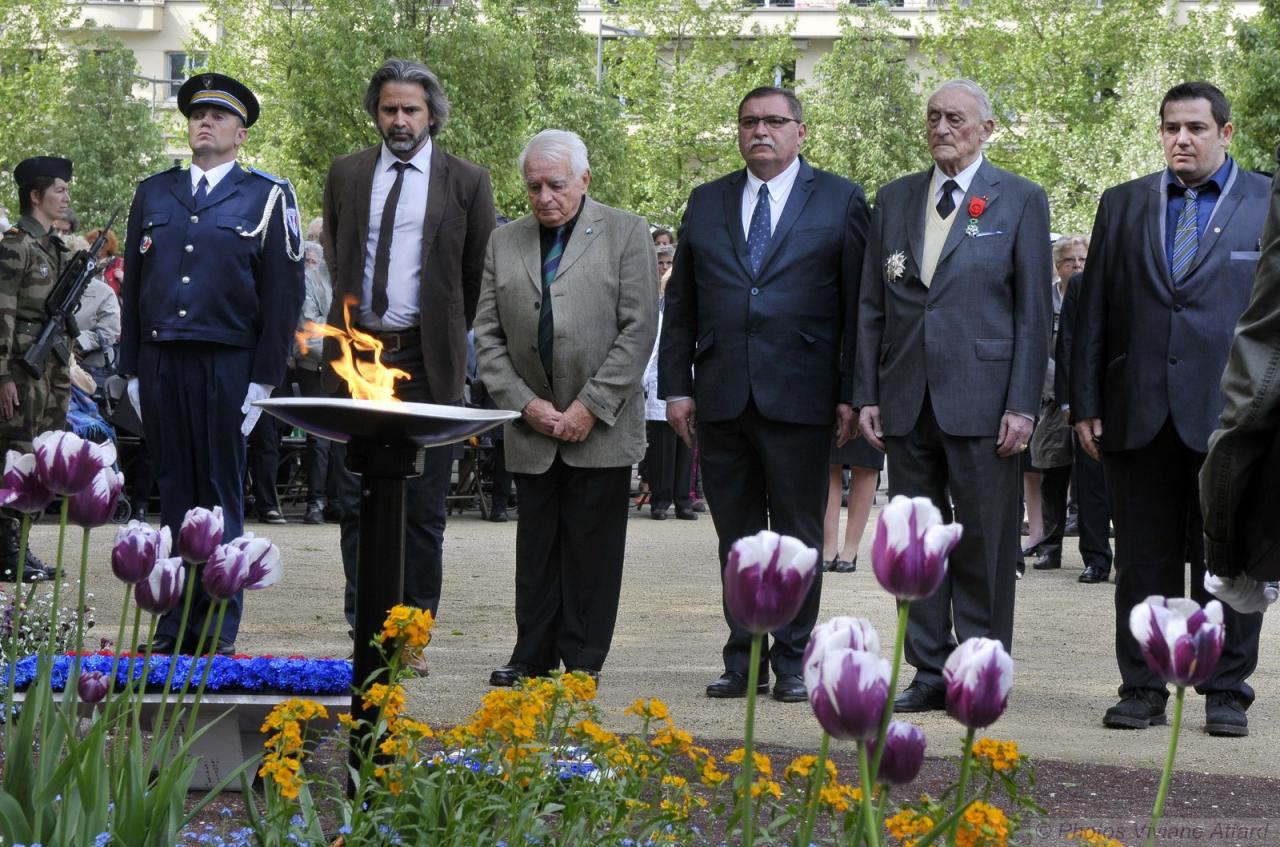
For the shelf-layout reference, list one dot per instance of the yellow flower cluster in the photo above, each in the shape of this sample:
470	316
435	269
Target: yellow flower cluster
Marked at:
1093	838
282	762
983	825
763	766
1002	756
908	826
840	797
390	699
652	710
400	746
410	626
802	766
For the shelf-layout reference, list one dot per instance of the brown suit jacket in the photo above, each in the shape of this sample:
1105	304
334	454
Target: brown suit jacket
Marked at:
457	224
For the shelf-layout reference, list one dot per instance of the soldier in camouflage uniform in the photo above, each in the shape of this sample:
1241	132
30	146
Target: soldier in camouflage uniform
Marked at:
31	258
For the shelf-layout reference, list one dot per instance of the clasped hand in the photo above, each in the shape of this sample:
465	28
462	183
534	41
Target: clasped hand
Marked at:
572	425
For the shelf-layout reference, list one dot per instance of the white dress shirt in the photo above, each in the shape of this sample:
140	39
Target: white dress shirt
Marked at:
779	191
404	272
214	175
964	179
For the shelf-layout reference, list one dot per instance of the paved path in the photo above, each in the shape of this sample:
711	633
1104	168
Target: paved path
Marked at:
670	632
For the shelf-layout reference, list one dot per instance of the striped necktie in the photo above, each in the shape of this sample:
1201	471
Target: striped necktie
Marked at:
1186	238
546	322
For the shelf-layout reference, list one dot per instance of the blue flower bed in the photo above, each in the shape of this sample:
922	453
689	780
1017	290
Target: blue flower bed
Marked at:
293	675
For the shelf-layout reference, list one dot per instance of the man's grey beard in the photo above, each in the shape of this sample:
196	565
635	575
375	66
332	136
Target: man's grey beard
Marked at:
396	146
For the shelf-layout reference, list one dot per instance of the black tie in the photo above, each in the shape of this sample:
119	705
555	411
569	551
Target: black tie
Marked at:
202	190
947	204
386	230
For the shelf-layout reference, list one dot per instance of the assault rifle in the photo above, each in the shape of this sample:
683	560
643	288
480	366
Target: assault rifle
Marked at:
61	306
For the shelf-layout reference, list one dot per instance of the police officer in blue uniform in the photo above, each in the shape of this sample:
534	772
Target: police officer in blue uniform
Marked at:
212	289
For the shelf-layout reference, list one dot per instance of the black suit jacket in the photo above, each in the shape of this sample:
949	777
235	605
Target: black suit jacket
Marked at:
455	231
1144	349
1062	348
783	337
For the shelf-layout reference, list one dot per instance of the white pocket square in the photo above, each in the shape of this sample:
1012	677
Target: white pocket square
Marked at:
985	234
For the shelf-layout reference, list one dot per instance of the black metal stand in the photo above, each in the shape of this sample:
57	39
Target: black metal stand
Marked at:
384	468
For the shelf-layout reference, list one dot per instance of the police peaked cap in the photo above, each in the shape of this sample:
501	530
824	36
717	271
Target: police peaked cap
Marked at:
29	170
221	91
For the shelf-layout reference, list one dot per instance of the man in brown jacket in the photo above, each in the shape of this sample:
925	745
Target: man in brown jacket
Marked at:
405	228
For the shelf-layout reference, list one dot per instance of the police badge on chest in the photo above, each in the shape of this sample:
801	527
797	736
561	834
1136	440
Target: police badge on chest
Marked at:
145	245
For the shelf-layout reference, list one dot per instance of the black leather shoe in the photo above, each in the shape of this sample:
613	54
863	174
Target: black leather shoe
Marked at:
657	514
314	515
686	514
226	648
271	516
1071	528
1033	550
1224	715
841	566
789	688
1093	574
1137	709
1049	558
160	644
594	674
508	675
498	516
1019	569
734	684
919	697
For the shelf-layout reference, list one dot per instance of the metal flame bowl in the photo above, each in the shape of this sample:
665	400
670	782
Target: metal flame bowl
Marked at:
427	424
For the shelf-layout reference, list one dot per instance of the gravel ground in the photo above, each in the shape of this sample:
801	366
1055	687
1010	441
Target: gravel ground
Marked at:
668	641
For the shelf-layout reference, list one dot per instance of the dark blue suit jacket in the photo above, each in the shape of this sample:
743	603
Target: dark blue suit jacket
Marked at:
193	272
783	337
1145	349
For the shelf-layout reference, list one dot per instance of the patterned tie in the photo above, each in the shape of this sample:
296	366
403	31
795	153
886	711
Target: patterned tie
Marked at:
202	190
546	322
1186	238
386	231
760	230
947	202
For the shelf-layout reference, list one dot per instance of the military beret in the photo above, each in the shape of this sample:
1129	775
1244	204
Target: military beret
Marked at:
31	169
221	91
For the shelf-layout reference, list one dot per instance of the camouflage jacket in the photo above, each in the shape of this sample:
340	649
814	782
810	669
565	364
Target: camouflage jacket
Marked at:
30	261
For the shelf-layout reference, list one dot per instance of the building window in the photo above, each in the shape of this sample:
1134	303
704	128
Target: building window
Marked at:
179	66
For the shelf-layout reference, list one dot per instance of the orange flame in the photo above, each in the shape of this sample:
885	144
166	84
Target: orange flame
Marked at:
366	380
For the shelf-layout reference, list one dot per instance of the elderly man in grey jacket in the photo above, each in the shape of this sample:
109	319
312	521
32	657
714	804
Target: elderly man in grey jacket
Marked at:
566	321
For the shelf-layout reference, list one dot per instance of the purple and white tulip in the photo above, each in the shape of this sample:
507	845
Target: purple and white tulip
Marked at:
1180	641
224	572
851	693
910	547
161	591
766	580
67	463
200	533
263	564
978	675
839	632
903	753
92	686
93	505
24	490
138	547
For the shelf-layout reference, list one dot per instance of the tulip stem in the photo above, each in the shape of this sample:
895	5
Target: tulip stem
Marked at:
115	658
188	591
898	641
208	666
962	787
74	678
15	618
868	813
815	792
55	626
748	744
1165	777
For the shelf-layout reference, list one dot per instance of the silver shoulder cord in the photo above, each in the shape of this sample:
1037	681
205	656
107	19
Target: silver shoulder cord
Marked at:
275	199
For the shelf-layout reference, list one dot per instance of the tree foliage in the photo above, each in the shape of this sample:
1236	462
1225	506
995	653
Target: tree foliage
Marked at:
1257	89
864	109
1076	84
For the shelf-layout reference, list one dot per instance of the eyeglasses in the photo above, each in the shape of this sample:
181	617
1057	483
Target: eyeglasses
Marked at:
772	121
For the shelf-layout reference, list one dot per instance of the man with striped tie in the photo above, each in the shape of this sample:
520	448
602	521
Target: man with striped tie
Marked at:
567	317
1171	265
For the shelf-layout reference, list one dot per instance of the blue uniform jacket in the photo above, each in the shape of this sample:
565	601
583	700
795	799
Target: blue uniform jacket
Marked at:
223	271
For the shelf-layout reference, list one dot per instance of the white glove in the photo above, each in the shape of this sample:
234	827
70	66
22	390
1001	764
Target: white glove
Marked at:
134	393
257	391
1242	593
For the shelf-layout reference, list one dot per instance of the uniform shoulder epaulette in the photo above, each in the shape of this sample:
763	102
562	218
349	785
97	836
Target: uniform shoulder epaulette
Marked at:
176	167
14	230
278	180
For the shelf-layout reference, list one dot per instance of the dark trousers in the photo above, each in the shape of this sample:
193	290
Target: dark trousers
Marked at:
976	597
1053	502
571	538
501	476
765	474
264	463
1093	509
317	455
1156	505
191	396
424	507
668	462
